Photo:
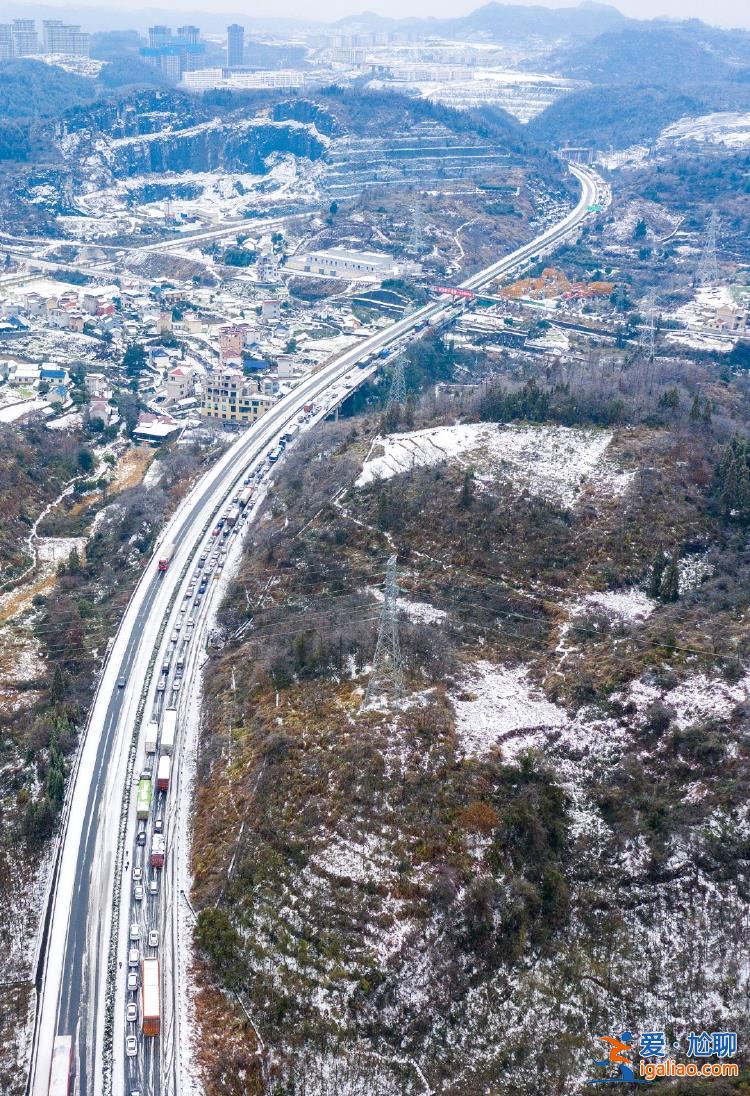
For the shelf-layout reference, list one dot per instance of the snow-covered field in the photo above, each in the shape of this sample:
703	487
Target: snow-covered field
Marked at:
730	128
496	701
555	462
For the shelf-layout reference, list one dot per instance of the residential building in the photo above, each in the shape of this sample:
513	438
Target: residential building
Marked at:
6	41
58	394
25	38
65	38
231	341
179	384
156	428
54	374
172	54
23	373
235	45
270	310
100	409
95	384
266	268
230	397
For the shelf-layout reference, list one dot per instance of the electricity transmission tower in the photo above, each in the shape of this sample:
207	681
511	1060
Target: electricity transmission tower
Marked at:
708	270
397	393
387	667
648	332
416	241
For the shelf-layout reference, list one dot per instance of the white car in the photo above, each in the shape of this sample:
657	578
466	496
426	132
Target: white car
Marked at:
131	1046
162	684
191	622
132	981
153	886
153	939
137	875
131	1013
134	957
138	892
135	932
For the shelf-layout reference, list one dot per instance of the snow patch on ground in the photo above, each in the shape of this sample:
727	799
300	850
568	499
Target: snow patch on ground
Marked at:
693	570
419	611
497	701
631	604
697	698
359	860
555	462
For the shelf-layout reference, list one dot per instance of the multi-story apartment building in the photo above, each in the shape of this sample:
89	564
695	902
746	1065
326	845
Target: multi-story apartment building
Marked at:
65	38
230	397
174	54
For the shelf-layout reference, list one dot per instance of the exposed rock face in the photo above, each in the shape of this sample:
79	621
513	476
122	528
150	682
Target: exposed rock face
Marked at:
156	132
308	112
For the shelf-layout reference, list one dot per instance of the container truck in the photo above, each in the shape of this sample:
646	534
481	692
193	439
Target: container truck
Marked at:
158	848
150	1003
152	736
62	1070
168	730
245	495
143	799
233	516
165	557
162	774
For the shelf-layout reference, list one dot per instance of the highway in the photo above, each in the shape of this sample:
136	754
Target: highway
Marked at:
80	981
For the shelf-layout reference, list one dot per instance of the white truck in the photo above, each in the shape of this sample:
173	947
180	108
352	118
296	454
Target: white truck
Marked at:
168	730
152	736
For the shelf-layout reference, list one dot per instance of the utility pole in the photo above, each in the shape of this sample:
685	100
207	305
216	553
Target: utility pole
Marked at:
416	241
708	270
648	332
388	667
648	343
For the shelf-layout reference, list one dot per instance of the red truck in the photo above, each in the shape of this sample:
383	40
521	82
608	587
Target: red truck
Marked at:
158	849
166	557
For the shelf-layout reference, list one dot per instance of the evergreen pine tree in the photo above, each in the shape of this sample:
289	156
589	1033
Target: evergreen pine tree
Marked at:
695	410
670	589
657	573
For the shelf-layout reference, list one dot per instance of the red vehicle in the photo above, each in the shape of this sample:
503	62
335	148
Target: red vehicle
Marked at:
158	848
62	1071
166	557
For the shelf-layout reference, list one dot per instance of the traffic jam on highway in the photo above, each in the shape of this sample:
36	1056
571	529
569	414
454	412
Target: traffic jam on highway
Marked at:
143	865
145	861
